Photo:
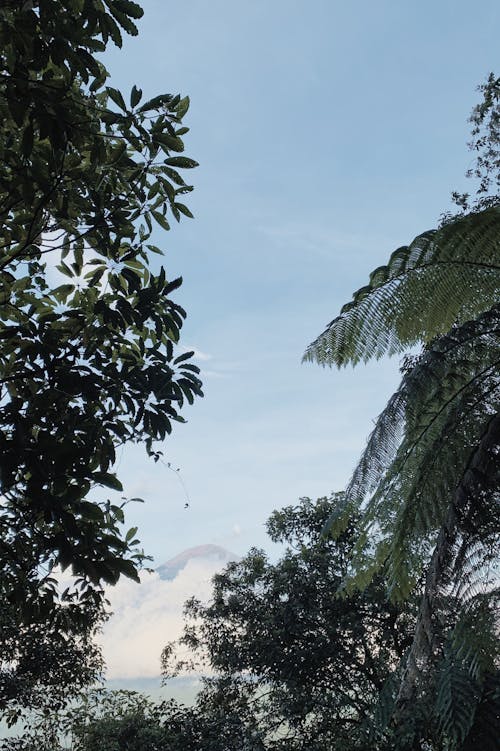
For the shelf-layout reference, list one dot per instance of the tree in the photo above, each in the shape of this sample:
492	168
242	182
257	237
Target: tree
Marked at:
129	721
49	660
309	665
89	363
428	482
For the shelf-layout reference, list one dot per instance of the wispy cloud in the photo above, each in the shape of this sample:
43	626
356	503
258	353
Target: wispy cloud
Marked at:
214	374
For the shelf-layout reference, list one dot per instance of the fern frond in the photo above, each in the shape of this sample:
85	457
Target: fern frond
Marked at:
439	371
456	699
473	484
475	571
378	723
444	277
483	734
474	640
421	443
467	696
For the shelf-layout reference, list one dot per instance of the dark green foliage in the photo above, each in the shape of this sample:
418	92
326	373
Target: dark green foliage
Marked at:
52	657
444	277
427	486
127	721
87	362
434	420
310	664
484	731
485	144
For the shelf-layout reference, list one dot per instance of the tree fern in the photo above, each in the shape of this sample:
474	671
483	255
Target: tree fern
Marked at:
421	442
467	698
456	699
474	640
483	734
427	486
445	276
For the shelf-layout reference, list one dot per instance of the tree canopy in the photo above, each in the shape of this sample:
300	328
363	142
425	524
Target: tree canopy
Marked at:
103	720
88	325
275	637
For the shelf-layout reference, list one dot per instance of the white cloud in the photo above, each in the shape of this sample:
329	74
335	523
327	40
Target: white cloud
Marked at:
148	615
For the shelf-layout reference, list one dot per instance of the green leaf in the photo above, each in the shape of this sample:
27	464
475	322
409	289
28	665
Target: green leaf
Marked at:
162	100
181	161
170	286
131	534
109	480
130	8
184	210
127	568
185	356
62	293
182	107
155	249
116	97
135	96
64	269
171	143
161	220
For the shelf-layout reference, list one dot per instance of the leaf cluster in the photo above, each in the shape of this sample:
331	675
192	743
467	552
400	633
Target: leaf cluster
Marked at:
88	325
104	720
310	664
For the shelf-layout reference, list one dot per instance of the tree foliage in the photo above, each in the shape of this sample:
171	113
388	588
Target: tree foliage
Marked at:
88	327
444	277
427	485
49	660
292	667
276	639
128	721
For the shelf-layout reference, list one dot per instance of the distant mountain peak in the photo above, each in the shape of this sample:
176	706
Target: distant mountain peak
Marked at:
171	568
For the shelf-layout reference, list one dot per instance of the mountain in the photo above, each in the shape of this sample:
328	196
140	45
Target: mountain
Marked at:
171	568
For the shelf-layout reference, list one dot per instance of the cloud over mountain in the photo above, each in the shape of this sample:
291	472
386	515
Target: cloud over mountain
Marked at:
214	553
148	615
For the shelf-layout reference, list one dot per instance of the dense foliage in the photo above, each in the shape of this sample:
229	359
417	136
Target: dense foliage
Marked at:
427	484
291	666
382	636
276	638
87	328
49	659
128	721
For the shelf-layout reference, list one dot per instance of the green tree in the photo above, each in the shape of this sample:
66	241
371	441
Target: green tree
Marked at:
309	665
89	363
50	659
127	721
427	483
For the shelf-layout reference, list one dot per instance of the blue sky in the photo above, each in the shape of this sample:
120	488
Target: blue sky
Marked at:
328	134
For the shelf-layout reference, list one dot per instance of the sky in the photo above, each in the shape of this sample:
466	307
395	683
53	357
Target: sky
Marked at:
328	134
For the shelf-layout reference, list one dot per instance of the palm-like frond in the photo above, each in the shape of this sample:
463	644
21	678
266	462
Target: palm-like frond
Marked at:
467	697
473	639
421	442
484	731
427	484
479	481
456	700
445	276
